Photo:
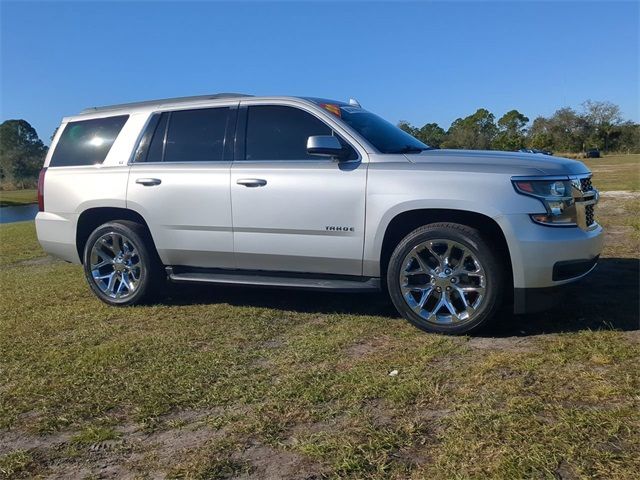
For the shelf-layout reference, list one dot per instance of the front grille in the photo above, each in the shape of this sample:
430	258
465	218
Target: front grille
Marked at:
589	214
586	186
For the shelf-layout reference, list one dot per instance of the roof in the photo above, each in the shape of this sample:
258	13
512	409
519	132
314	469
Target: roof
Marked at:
163	101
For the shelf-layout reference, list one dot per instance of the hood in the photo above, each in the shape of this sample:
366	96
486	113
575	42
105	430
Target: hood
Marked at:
490	161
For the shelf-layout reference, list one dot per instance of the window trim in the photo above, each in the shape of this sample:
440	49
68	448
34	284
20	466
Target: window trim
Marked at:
240	139
226	157
154	119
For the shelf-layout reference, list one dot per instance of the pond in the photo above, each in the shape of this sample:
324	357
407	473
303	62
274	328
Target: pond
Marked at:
18	214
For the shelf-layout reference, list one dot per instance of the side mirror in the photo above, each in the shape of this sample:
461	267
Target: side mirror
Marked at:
325	146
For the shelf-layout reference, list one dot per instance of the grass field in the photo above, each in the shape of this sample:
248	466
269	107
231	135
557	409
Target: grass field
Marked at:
14	198
249	383
616	172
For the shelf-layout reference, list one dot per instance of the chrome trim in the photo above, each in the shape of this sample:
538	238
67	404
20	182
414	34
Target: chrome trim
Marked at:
148	182
324	145
252	182
582	200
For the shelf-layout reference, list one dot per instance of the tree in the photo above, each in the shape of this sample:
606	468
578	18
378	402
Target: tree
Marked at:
511	131
407	127
627	138
21	152
473	132
603	119
569	130
432	134
539	135
598	124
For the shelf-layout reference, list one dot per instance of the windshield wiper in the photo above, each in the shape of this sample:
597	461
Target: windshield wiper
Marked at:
410	149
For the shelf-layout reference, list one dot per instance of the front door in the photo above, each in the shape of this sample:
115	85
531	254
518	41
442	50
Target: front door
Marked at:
294	212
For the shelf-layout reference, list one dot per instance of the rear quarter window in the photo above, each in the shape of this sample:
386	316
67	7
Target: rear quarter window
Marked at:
87	142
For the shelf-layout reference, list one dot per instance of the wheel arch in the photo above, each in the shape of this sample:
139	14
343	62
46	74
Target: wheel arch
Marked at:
92	218
405	222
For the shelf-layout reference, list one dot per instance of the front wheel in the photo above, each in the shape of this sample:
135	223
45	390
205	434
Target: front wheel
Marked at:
444	278
120	263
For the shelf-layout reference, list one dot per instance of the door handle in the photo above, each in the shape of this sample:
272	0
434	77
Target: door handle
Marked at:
149	182
252	182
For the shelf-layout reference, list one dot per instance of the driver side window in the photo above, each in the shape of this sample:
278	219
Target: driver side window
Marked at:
278	132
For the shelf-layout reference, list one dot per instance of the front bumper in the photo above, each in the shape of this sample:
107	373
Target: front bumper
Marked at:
536	249
545	258
534	300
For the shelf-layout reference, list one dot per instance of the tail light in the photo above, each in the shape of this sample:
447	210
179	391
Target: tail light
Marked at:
41	189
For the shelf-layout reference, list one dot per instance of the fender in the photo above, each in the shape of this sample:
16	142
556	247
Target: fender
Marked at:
375	237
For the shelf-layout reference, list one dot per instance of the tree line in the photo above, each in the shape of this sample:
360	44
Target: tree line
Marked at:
597	125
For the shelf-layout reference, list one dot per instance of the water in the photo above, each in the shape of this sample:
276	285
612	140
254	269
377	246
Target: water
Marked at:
18	214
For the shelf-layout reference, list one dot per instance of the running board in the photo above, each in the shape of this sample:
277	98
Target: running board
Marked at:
276	280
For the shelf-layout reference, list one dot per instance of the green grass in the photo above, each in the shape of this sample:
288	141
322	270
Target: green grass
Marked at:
222	382
18	242
616	172
14	198
14	463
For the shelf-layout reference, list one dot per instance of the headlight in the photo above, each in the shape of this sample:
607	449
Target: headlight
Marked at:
556	197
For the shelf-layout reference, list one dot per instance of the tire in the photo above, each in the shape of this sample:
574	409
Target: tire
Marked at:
137	271
461	287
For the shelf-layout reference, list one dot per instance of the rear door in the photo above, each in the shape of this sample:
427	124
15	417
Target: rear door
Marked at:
179	182
292	211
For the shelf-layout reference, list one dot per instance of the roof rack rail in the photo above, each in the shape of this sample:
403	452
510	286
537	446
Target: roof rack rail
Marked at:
163	101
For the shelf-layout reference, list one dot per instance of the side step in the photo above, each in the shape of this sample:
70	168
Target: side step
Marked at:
262	278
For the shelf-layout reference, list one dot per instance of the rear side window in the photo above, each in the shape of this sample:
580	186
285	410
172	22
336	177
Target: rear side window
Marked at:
87	142
189	136
276	132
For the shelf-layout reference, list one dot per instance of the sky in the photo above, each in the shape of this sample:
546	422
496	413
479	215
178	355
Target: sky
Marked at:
416	61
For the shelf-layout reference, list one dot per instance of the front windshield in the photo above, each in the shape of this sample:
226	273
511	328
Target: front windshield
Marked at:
385	136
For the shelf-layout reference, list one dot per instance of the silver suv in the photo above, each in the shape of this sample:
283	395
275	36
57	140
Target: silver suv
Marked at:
315	194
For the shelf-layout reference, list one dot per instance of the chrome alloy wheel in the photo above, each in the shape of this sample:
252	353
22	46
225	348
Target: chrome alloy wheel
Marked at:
442	281
115	265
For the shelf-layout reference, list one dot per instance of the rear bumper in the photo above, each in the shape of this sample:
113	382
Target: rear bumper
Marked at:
57	235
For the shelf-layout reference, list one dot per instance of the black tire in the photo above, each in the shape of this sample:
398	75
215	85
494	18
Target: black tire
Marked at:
472	240
148	264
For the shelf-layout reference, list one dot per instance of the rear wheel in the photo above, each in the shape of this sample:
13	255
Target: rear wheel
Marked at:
121	265
444	278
